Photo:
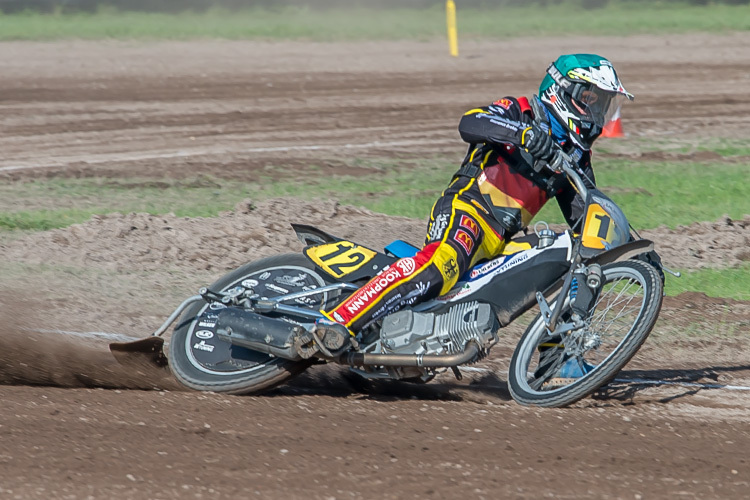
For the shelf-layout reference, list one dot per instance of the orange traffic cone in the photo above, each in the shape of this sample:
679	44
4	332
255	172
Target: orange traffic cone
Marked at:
614	127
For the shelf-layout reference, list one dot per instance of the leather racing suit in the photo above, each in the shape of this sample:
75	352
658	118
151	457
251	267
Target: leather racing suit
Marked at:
494	194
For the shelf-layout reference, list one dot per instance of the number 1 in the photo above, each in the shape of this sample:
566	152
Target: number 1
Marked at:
603	226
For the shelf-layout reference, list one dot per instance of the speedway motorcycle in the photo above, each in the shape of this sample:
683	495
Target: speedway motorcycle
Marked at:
598	293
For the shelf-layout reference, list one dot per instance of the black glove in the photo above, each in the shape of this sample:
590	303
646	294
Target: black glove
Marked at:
538	143
558	159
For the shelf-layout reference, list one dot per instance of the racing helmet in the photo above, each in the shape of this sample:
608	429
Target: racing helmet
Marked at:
583	92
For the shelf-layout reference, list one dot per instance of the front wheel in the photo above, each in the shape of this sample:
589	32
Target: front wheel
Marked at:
202	361
558	371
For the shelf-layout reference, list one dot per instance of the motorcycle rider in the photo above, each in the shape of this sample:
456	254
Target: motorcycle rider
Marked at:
502	183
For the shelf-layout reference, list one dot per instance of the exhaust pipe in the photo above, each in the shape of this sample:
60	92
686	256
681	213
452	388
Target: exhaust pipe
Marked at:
276	337
259	333
437	361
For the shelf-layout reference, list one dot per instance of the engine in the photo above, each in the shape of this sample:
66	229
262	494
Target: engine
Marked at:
409	332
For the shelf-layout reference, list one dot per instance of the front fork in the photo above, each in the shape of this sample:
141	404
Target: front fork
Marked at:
580	290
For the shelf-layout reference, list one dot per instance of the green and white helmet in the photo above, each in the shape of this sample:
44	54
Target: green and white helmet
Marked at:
583	92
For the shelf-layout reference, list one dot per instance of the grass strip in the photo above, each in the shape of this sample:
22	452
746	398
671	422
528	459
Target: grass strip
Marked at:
650	193
54	203
725	148
727	283
618	18
669	193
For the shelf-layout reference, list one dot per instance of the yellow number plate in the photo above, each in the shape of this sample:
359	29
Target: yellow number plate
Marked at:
340	258
598	228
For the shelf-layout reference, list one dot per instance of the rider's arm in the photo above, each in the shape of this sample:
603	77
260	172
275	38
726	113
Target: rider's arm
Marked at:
571	203
501	122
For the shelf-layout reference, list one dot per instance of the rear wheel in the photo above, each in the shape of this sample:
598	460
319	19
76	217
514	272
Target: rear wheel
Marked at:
558	371
201	361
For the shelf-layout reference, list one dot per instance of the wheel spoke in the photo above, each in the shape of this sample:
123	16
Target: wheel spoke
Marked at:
614	314
618	317
609	337
618	298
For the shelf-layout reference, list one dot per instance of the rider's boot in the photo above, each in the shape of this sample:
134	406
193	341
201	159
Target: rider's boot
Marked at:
571	369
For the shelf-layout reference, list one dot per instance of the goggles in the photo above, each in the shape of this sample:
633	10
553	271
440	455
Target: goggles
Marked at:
594	104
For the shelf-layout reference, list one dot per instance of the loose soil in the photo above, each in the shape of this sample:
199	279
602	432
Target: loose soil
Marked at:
75	424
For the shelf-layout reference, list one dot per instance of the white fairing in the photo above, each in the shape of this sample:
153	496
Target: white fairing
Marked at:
482	274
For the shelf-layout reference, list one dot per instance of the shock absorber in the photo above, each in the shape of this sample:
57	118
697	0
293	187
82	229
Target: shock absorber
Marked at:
584	288
574	287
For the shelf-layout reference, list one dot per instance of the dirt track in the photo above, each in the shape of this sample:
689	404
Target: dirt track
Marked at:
130	109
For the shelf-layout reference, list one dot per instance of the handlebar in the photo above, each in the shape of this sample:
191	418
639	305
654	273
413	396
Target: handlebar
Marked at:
562	162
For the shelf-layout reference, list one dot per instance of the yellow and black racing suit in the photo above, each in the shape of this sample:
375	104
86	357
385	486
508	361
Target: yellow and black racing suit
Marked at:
494	194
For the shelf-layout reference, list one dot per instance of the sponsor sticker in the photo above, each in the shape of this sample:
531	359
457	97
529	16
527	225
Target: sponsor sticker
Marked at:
407	266
450	268
202	346
264	276
467	242
374	288
438	227
512	125
501	264
298	280
204	334
249	283
307	301
503	103
390	305
276	288
557	76
411	297
455	293
470	224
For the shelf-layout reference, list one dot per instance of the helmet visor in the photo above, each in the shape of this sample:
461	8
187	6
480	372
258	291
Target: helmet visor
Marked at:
597	105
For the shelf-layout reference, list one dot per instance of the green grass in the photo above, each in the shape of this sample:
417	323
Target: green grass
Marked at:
650	193
407	187
670	193
42	220
726	148
728	283
619	18
76	200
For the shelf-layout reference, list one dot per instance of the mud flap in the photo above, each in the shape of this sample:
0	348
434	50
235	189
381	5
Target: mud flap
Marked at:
623	252
146	353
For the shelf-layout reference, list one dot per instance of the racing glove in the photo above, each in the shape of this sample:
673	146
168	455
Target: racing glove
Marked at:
538	143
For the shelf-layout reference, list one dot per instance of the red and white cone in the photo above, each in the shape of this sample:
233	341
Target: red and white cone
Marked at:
614	127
